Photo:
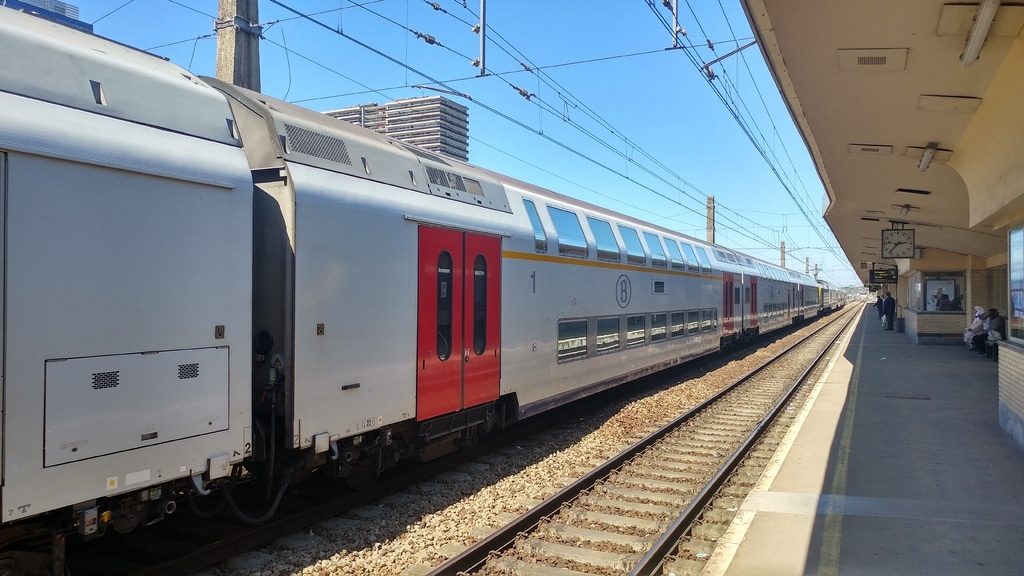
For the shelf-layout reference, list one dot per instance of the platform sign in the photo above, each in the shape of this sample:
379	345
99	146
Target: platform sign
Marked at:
882	276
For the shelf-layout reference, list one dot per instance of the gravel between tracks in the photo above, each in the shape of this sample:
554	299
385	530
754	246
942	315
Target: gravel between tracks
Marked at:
408	533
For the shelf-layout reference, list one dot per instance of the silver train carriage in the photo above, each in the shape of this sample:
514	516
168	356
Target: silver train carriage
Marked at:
181	309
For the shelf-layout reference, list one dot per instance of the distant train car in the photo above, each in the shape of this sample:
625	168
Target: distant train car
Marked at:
202	280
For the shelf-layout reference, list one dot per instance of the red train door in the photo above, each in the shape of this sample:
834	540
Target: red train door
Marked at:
727	303
458	347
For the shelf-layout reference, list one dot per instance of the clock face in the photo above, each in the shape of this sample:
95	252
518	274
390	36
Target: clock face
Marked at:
897	243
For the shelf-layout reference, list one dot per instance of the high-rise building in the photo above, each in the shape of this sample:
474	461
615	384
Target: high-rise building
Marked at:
62	12
433	123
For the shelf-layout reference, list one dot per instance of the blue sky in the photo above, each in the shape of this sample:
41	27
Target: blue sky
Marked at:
615	117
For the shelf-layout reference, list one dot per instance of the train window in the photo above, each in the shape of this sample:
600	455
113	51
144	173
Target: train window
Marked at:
571	241
678	326
658	328
691	259
444	305
607	334
658	259
705	320
635	332
736	294
658	287
572	340
719	255
479	305
675	257
693	322
703	256
746	293
634	250
539	237
714	319
607	246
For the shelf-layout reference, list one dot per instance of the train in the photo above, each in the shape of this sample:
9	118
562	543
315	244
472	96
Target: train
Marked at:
204	284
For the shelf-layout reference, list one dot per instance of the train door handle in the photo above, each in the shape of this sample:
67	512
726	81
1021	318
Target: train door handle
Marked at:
465	357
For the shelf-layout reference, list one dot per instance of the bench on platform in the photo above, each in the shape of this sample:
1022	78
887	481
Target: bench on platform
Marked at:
992	350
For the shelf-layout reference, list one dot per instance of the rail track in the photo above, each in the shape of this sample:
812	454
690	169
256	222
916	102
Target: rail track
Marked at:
657	507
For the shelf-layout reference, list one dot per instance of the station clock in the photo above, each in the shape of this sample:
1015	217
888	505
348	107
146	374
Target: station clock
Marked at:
897	243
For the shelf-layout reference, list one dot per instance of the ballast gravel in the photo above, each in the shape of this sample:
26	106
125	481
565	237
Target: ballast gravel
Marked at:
408	534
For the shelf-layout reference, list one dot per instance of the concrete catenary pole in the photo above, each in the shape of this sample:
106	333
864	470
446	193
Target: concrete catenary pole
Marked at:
711	219
238	43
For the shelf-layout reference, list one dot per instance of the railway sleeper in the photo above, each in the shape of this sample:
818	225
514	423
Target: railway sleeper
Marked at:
611	560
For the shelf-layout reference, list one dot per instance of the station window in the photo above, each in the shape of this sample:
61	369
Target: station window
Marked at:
691	259
658	328
571	241
444	306
658	259
678	326
479	305
607	247
675	257
539	237
572	340
635	330
1015	315
634	249
607	334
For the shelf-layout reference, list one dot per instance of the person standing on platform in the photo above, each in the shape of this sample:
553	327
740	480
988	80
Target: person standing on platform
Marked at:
889	309
878	305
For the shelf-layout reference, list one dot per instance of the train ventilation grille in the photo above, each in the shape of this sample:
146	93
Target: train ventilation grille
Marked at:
186	371
101	380
316	144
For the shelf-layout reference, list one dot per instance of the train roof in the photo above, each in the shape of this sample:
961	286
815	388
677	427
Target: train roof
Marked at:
47	61
311	138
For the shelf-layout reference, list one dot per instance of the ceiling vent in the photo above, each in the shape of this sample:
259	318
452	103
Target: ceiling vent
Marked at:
878	59
912	191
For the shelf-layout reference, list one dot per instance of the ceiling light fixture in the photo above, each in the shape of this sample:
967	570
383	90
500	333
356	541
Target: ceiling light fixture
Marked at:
926	156
979	31
905	209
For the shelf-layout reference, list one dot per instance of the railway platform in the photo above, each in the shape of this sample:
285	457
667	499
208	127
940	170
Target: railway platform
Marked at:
896	465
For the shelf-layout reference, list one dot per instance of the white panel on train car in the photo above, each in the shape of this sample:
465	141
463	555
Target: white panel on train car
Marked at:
106	404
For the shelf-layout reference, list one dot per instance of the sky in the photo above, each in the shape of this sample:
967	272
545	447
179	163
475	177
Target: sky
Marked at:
615	113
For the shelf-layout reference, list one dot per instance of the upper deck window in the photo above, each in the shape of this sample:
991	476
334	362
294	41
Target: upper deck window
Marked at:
703	256
539	237
691	258
607	246
658	259
634	249
675	257
571	241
